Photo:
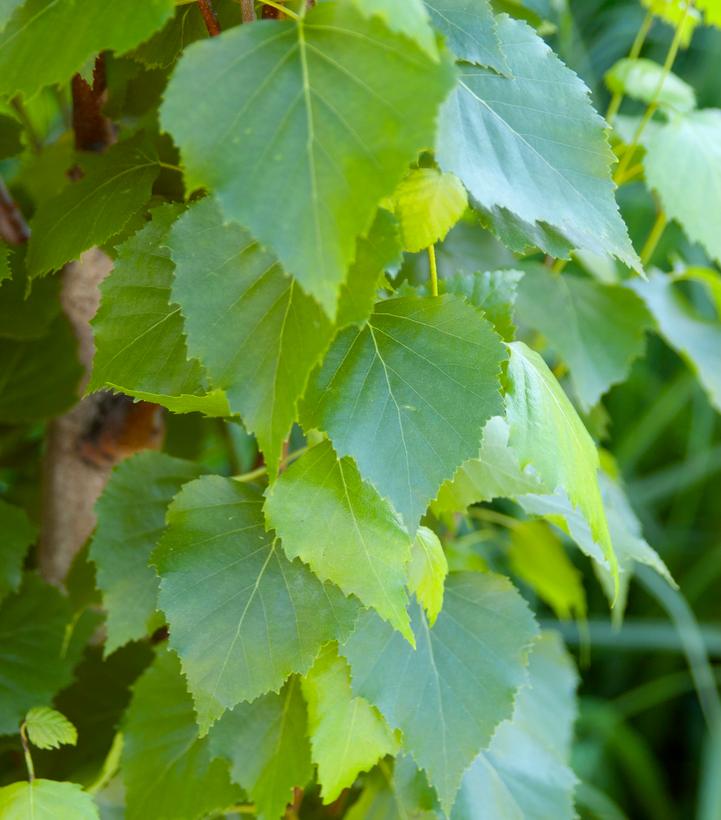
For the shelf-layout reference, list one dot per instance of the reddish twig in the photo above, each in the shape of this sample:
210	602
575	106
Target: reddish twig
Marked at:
13	227
93	130
209	17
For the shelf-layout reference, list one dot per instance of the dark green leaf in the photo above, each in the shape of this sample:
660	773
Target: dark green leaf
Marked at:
17	533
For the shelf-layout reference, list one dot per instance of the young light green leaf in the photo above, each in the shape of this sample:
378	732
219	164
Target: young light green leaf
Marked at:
49	729
408	394
685	154
46	800
347	734
131	519
695	337
116	185
537	557
546	432
493	291
409	18
525	774
335	522
237	301
168	771
40	377
68	39
266	743
478	644
33	661
427	572
219	567
557	184
18	533
140	346
597	329
319	143
470	31
494	473
679	14
640	79
428	203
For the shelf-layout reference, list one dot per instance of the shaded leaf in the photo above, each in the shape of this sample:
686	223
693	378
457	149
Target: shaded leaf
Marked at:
116	185
478	644
492	291
168	772
263	617
266	743
597	329
407	395
23	314
131	519
470	31
327	516
17	533
319	110
68	38
532	152
140	346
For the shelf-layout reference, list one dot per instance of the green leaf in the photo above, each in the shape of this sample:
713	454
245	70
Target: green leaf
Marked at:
40	378
537	557
409	18
711	10
492	291
236	300
5	272
347	734
18	533
327	516
597	329
684	155
532	152
427	572
168	772
49	729
33	661
428	203
164	47
320	143
628	541
375	253
116	185
640	79
692	335
546	433
68	35
27	313
131	519
470	31
407	395
525	774
266	743
46	800
494	473
7	9
432	693
140	346
219	568
677	13
11	132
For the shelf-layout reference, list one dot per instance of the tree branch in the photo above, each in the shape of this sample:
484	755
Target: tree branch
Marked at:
209	17
13	227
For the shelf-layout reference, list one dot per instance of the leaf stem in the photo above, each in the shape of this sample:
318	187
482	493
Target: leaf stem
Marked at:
653	104
261	471
36	143
617	97
434	269
210	18
13	227
170	166
26	752
278	7
494	517
656	231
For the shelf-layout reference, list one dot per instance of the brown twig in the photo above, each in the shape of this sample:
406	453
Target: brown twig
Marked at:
13	227
247	11
209	17
93	130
